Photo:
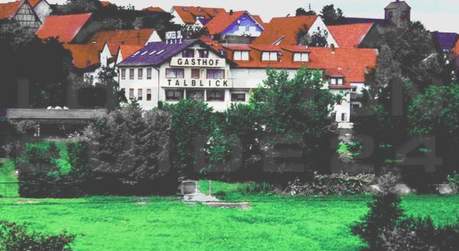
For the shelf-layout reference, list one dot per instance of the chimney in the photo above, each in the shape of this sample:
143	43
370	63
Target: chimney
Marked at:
231	12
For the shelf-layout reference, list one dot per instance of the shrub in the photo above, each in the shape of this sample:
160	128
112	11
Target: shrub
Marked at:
340	184
386	228
14	237
49	169
257	188
453	180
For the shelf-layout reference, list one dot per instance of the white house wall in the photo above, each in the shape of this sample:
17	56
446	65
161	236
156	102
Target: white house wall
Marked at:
43	10
320	25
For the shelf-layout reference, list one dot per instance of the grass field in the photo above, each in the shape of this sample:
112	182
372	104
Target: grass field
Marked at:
154	223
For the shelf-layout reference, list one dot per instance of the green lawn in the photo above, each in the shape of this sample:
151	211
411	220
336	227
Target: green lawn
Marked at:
154	223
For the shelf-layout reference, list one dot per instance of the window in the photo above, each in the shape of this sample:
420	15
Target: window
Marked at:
301	57
343	117
123	74
175	73
174	95
140	74
195	73
188	53
131	93
269	56
131	74
139	94
195	95
241	55
148	94
203	53
389	15
149	72
238	97
215	95
215	74
336	81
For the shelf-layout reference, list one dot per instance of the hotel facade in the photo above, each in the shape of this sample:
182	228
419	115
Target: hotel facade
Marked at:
222	75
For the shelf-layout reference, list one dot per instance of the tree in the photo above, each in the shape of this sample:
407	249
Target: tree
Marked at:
114	95
303	12
129	148
414	50
436	113
191	125
45	64
331	16
297	108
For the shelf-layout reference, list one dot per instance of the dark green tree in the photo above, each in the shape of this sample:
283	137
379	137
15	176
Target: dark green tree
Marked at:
303	12
297	108
330	15
191	126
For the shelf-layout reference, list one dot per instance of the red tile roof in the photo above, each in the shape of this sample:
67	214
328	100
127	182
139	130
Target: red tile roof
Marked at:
456	48
128	50
65	28
285	30
34	3
224	19
189	13
221	21
84	55
154	9
350	35
351	63
8	10
116	38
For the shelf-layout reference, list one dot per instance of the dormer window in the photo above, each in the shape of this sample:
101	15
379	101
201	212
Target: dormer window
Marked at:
336	81
241	55
203	53
301	57
188	53
268	56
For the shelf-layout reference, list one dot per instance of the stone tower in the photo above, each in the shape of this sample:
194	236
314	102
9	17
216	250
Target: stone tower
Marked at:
398	13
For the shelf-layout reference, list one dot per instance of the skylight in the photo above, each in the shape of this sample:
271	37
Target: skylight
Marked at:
153	52
159	52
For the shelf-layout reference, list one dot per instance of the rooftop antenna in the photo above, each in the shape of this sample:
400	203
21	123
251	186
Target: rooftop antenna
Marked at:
310	7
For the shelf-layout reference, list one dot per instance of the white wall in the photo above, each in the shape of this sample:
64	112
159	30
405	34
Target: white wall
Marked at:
320	25
43	10
143	84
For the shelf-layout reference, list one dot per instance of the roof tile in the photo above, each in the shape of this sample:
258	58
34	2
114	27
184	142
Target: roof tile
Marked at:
350	35
65	28
285	30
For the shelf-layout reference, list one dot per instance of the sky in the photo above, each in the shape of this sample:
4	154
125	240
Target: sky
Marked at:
442	15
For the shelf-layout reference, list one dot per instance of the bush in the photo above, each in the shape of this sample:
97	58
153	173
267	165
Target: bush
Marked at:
386	228
453	180
14	237
49	169
339	184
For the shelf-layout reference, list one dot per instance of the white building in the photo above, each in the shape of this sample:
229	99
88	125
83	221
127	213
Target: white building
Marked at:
42	8
222	75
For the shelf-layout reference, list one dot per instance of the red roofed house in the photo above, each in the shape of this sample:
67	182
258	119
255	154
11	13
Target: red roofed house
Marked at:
289	30
235	26
20	11
351	35
344	68
107	45
154	9
199	70
66	28
194	17
41	8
